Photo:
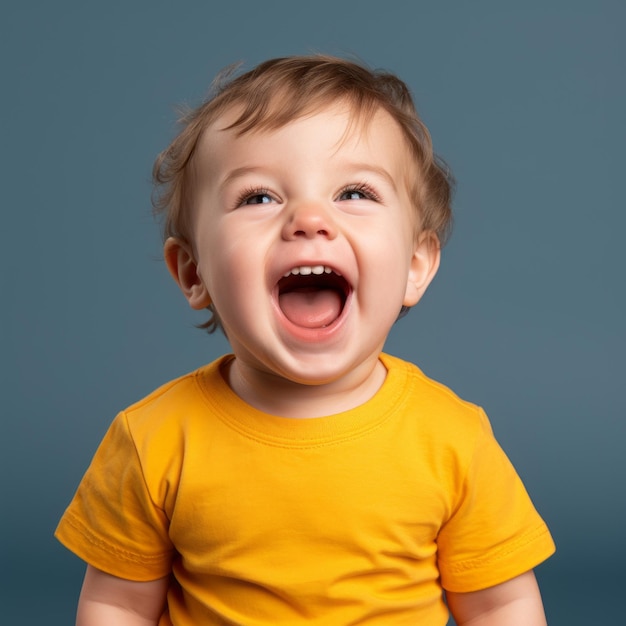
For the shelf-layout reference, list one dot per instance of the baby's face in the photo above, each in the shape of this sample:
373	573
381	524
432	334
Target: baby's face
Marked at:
305	241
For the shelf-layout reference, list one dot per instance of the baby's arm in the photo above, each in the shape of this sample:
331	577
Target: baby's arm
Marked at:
106	600
516	602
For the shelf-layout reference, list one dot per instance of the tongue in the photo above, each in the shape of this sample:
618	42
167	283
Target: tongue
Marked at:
311	308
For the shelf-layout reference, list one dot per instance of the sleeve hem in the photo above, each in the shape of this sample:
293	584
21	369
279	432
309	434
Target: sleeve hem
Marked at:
506	563
114	560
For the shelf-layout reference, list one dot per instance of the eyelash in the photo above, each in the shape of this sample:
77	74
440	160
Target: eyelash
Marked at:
250	192
365	188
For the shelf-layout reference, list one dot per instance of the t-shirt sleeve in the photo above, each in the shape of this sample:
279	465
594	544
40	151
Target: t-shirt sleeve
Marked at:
494	533
113	522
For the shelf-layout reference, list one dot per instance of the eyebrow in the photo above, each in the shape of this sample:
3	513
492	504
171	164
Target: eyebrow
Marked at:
240	172
373	169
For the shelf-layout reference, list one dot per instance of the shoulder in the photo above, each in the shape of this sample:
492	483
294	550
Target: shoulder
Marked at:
447	430
165	417
433	403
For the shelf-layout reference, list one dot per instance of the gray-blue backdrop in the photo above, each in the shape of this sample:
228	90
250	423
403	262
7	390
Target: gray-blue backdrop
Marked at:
525	100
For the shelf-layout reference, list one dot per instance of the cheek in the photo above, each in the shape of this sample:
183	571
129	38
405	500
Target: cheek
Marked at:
389	271
232	277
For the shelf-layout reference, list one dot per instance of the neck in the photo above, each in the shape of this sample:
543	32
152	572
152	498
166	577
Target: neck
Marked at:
282	397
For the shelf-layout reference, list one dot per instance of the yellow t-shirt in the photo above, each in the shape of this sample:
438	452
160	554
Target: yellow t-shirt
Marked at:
359	517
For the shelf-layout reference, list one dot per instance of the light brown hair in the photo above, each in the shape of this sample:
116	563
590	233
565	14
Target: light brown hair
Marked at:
281	90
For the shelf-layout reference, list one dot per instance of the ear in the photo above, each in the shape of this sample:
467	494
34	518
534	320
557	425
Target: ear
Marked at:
181	263
424	266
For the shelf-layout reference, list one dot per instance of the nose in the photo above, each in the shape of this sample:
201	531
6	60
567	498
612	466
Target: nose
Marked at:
309	220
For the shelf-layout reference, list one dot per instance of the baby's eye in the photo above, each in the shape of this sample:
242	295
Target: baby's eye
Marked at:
255	196
352	194
357	192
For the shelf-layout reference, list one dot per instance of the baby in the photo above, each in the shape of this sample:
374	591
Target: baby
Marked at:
308	477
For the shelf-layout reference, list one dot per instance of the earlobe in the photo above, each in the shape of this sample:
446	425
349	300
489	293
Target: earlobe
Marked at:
181	264
424	266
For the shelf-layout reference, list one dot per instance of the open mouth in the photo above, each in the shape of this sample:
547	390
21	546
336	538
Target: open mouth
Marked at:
312	296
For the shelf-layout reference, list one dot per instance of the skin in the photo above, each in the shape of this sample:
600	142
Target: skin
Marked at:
516	602
307	194
106	600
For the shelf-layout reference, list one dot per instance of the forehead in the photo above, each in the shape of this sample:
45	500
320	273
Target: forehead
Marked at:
338	129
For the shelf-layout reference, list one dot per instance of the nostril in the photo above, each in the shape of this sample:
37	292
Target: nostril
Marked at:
303	233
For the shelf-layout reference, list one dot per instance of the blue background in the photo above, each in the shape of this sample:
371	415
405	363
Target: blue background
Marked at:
526	101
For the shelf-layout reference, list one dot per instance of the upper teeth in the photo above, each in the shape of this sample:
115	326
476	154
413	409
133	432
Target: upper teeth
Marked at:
305	270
